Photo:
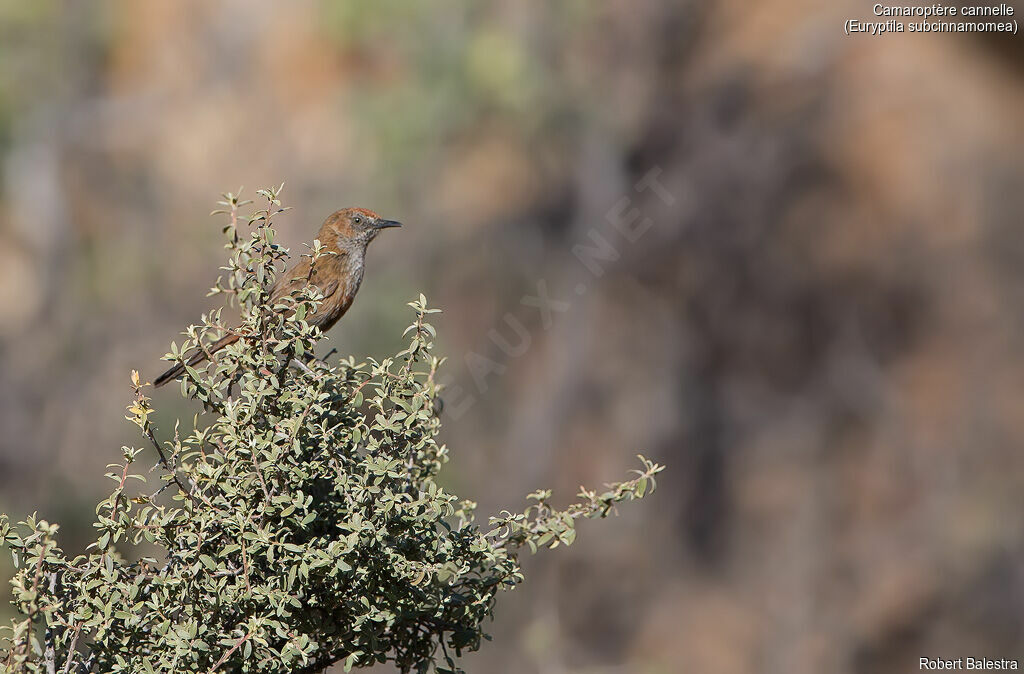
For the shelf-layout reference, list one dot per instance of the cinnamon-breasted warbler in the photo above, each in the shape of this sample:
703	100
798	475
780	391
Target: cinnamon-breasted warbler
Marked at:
345	235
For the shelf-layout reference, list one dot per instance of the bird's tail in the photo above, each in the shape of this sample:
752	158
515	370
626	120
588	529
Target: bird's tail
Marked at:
199	357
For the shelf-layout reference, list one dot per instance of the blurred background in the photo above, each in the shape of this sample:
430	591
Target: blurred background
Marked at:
816	319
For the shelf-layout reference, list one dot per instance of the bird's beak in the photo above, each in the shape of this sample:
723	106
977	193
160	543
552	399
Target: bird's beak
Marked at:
383	224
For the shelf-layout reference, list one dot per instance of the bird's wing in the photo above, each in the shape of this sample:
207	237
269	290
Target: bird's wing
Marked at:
330	288
295	279
294	284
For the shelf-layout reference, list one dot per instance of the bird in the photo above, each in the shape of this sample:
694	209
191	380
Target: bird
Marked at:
345	236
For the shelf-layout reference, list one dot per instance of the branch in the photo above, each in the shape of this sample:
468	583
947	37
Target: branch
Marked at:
167	466
71	650
230	652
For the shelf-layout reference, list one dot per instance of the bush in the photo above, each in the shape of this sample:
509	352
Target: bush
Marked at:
299	523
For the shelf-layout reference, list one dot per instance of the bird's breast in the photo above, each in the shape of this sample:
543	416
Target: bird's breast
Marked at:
349	275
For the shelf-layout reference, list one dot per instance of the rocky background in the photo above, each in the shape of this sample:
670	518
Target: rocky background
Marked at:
819	331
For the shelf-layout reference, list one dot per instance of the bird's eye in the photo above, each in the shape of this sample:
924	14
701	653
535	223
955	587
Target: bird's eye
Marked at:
358	220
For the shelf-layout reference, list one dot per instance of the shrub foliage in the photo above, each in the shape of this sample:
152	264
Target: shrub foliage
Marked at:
297	525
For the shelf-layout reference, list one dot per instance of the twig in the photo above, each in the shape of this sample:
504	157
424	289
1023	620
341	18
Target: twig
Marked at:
167	466
71	649
299	365
230	652
245	565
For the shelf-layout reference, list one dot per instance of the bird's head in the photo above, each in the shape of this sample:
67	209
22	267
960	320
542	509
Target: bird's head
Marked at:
353	228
